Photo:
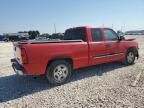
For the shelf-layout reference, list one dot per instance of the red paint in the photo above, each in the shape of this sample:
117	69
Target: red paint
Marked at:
83	54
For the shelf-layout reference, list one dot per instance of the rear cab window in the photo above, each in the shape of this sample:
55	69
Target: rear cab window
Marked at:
75	34
110	35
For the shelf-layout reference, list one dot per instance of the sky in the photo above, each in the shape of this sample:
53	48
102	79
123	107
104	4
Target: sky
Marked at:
23	15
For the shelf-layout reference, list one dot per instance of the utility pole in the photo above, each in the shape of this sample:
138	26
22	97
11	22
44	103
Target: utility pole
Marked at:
124	27
121	28
112	26
55	28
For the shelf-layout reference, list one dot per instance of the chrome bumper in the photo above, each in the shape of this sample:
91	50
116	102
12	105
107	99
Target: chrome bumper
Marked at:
17	67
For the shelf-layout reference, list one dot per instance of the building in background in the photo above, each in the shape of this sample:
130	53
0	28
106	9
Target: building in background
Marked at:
135	32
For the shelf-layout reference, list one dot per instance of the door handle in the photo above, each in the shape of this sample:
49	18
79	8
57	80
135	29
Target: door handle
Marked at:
108	45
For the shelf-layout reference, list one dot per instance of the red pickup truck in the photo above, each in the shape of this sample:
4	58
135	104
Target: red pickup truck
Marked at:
81	47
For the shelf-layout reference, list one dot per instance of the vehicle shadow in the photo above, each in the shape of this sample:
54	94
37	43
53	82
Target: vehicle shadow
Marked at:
14	86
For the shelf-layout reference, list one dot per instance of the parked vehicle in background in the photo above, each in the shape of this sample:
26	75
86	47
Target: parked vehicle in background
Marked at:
10	38
23	38
57	36
43	37
50	37
81	47
13	38
1	37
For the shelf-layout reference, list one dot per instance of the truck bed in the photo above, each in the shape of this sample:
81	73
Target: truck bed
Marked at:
45	41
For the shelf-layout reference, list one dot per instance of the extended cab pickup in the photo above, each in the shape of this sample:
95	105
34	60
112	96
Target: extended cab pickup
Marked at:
81	47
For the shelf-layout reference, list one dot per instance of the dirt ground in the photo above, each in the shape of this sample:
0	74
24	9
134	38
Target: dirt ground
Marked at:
106	85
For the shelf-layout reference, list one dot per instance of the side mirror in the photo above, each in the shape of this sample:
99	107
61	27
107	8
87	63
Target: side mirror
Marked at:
120	33
121	38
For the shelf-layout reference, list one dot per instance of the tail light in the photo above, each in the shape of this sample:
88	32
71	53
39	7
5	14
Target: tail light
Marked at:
24	56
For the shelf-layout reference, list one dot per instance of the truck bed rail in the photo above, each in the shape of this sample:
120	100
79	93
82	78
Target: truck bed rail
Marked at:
45	41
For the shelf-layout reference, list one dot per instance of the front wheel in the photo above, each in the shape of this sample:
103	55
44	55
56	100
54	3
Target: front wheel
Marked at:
59	72
130	57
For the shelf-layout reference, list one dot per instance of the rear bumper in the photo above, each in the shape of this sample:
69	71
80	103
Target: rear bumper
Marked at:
17	67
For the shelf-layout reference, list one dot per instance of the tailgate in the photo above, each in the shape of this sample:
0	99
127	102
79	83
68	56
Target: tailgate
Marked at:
17	53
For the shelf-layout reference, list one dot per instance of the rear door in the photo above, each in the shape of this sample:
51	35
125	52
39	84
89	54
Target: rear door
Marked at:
97	47
114	48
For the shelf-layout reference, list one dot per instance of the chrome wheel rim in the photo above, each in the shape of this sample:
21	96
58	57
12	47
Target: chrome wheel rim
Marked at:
130	57
60	73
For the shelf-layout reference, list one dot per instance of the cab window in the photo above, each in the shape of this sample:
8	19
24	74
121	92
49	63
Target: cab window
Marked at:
110	35
96	35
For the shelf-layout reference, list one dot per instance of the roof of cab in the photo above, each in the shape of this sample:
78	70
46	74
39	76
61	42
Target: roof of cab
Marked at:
90	27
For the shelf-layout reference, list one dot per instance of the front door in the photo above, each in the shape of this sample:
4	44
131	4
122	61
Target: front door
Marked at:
114	48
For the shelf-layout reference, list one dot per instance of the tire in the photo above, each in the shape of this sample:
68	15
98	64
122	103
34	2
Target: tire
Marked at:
59	72
130	57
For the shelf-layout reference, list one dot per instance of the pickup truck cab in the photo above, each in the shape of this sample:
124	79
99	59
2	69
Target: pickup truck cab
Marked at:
81	47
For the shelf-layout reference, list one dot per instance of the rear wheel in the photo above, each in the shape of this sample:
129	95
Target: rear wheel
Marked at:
59	72
130	57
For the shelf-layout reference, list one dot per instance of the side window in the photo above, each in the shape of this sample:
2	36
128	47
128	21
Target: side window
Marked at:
96	35
110	35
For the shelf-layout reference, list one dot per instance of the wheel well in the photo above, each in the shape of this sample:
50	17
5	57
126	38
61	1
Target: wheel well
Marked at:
132	48
69	60
135	51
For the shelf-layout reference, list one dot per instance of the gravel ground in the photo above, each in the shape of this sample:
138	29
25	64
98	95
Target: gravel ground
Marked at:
106	85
